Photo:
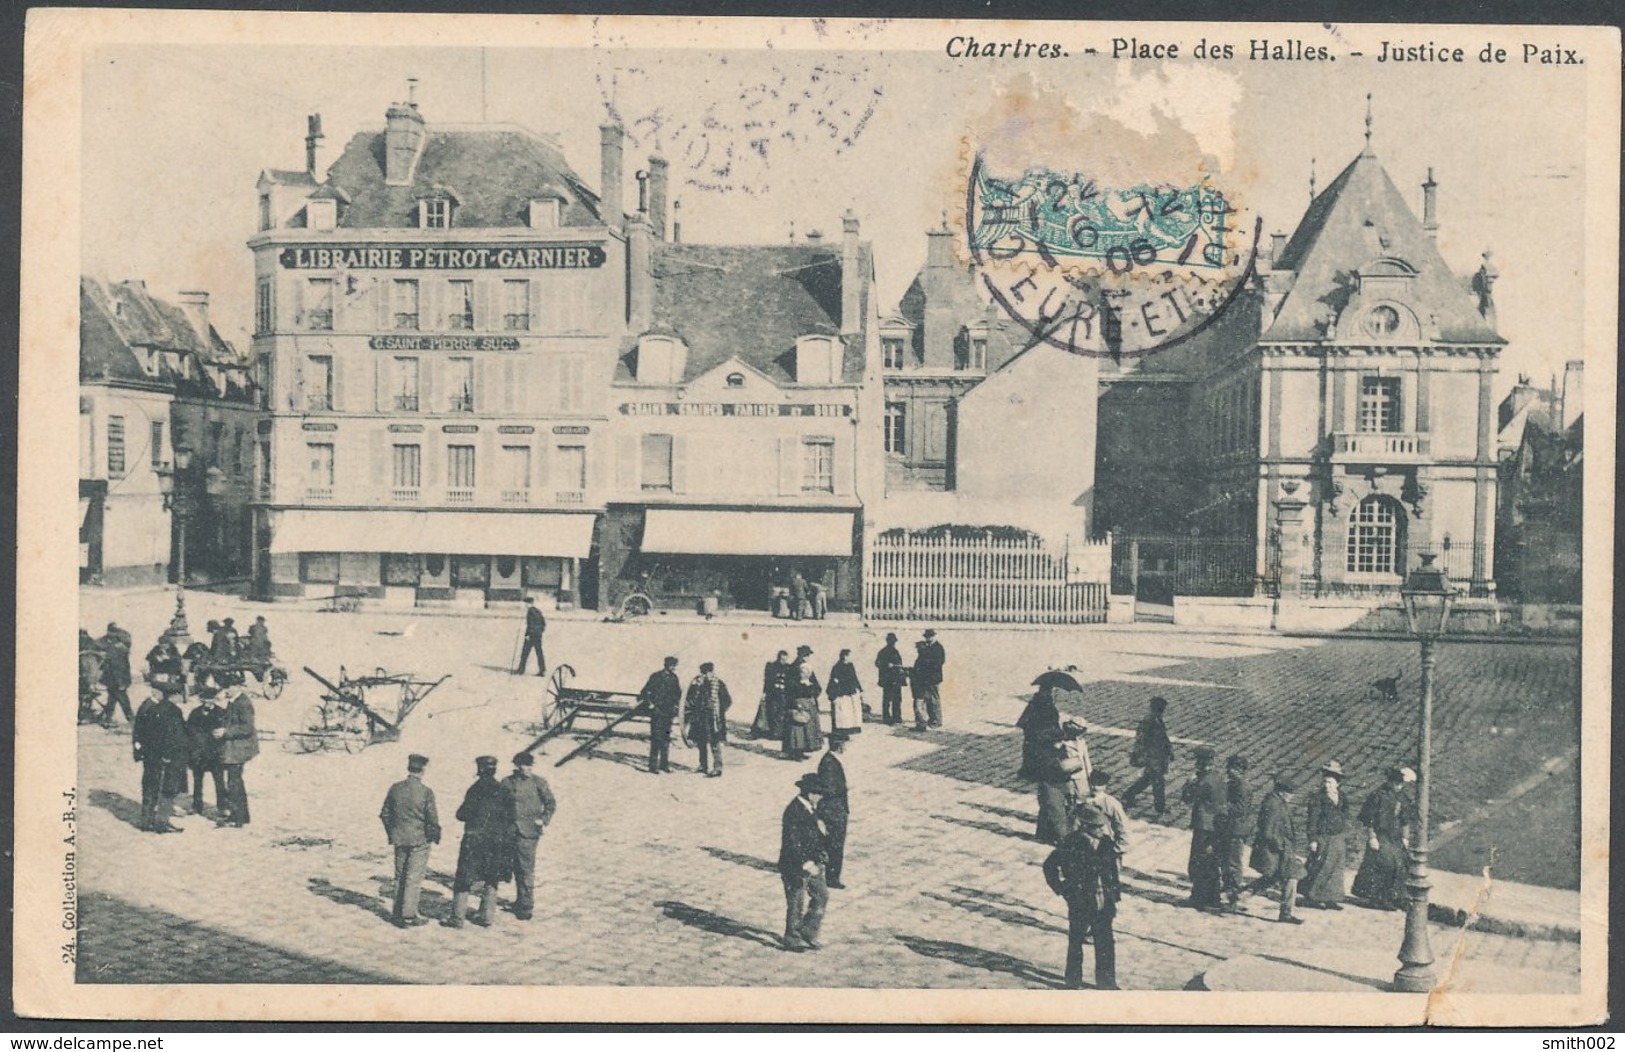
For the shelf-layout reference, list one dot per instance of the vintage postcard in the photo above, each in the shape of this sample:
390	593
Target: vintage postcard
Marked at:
625	519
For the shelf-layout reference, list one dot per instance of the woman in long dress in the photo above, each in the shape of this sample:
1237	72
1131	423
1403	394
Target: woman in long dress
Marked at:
1055	771
769	722
845	696
802	733
1388	815
1038	721
1326	831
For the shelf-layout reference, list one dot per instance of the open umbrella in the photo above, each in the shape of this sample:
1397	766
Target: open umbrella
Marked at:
1055	679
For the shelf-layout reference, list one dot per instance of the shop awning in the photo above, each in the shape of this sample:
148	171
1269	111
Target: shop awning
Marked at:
695	532
563	534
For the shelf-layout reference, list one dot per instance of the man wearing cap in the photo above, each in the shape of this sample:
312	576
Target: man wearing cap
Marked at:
1275	855
1206	796
926	676
1233	828
832	809
482	858
803	854
535	625
1083	869
115	647
1153	753
663	694
1099	799
412	825
201	724
892	675
158	737
533	808
239	743
705	718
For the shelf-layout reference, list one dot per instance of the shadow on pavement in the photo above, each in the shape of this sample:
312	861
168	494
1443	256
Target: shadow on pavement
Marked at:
716	923
1028	817
987	960
987	909
737	859
120	942
345	897
1375	984
120	807
989	827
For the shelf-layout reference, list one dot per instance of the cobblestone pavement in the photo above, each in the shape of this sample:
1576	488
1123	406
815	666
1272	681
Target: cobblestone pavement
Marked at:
669	880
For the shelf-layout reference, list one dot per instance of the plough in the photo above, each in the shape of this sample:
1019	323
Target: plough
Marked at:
564	704
347	720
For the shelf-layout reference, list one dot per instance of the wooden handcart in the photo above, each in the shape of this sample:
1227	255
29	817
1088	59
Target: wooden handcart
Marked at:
360	711
564	704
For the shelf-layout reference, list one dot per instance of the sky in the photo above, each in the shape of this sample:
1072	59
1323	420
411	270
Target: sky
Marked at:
175	137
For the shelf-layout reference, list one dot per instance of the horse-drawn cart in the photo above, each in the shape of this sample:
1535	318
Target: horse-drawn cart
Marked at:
360	711
564	704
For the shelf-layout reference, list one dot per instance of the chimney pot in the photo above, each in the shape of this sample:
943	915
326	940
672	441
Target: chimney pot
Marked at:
852	278
643	193
677	221
1430	205
657	195
313	143
611	140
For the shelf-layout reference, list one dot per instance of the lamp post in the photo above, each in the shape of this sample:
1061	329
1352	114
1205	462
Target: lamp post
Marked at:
175	485
1428	597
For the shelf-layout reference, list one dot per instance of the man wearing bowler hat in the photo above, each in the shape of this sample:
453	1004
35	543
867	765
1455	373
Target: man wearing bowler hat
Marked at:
926	678
802	857
663	694
892	674
832	809
412	825
533	808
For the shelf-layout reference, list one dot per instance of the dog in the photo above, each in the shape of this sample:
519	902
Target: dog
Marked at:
1386	689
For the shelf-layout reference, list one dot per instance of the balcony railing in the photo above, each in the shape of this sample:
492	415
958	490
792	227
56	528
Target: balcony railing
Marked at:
406	494
570	496
459	496
516	496
315	493
1402	447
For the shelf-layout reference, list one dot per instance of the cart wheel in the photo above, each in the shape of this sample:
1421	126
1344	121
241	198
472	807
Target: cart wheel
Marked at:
635	605
304	743
275	680
353	743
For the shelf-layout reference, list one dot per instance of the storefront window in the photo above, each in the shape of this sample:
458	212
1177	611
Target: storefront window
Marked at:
543	573
470	571
319	567
401	571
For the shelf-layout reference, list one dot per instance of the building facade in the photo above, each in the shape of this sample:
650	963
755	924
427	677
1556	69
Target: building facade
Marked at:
155	377
438	318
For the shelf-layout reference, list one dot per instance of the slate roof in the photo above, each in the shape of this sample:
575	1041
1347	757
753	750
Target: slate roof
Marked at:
1358	219
118	321
494	171
753	302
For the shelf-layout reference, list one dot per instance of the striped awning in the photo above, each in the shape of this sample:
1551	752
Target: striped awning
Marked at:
563	534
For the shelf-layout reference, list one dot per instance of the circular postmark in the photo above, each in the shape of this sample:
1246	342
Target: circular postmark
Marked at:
1110	271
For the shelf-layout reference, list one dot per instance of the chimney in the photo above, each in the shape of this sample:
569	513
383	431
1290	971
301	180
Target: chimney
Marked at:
195	305
403	136
940	326
1430	206
611	137
313	144
1573	404
677	221
1522	394
657	195
852	281
643	193
639	274
1277	248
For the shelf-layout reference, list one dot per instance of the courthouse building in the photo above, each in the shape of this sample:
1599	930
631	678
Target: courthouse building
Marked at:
438	317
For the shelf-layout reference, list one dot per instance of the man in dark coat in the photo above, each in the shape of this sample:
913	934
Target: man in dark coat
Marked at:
1083	869
798	595
196	659
162	748
802	856
164	669
533	808
535	625
482	859
926	676
663	694
201	724
257	648
239	743
1153	752
115	646
1275	854
223	647
892	675
412	825
770	714
1234	827
705	718
90	675
1205	793
832	809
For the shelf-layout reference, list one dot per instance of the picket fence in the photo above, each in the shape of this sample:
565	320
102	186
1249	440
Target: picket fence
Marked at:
1016	580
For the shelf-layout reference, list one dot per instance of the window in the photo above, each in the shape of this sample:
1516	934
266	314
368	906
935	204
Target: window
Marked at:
460	395
401	570
470	571
263	482
896	427
157	440
217	443
515	474
572	383
322	213
238	447
460	306
516	305
572	462
544	214
892	349
436	213
1379	403
263	321
460	473
115	447
265	211
1382	321
407	475
818	465
657	463
406	303
977	354
319	382
319	316
736	379
1374	537
319	477
404	382
319	567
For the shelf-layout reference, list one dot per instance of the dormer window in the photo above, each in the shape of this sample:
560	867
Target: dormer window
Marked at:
892	351
544	213
818	360
736	379
661	360
322	213
434	213
1382	321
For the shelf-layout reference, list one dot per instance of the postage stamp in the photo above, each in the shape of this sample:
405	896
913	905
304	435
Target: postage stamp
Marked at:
691	520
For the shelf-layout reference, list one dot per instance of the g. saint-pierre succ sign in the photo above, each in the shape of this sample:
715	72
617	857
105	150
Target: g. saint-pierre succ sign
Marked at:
442	257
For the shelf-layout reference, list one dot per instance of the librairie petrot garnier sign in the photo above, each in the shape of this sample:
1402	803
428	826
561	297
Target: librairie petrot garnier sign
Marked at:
441	257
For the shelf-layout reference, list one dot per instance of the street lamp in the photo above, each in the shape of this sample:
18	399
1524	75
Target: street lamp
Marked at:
177	493
1428	597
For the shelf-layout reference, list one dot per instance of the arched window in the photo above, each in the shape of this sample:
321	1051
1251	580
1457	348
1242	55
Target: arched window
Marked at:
1376	537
